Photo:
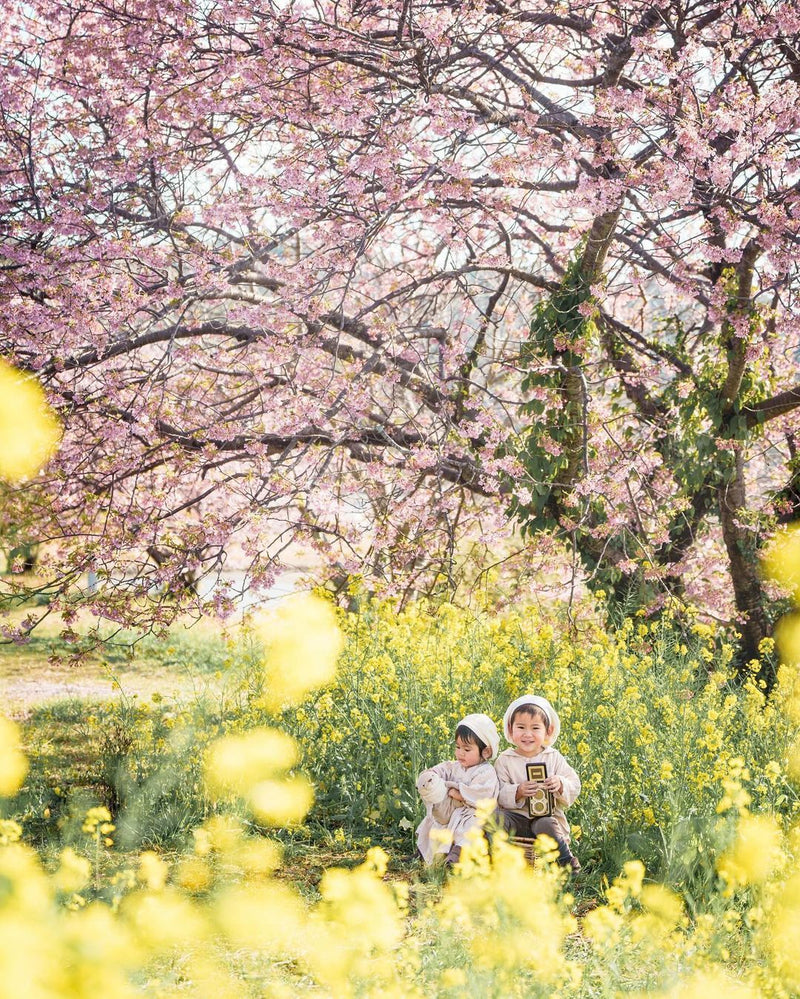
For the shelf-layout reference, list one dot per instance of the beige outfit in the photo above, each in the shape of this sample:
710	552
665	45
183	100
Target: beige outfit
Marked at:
475	784
511	772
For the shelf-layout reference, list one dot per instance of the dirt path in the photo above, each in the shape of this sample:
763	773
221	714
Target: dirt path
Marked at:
23	690
179	666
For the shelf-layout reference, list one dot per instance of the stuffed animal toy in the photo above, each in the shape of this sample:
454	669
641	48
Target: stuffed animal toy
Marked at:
432	789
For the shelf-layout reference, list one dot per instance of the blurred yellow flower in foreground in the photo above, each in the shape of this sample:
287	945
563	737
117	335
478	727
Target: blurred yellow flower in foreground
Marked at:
29	430
253	766
781	560
73	872
10	832
355	928
787	636
164	920
269	917
13	765
281	802
453	978
664	906
756	853
712	984
793	764
783	931
153	871
193	874
302	641
236	763
628	884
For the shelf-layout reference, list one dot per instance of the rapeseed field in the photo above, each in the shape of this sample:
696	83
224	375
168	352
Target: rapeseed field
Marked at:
687	824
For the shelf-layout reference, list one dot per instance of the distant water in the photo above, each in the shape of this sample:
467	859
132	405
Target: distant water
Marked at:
289	581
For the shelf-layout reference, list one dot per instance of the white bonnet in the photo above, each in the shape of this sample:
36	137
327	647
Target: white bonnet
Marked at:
485	729
539	702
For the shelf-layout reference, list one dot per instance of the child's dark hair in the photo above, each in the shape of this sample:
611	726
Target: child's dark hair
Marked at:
466	734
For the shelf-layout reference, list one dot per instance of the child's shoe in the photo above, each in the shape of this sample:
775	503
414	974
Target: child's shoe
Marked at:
453	855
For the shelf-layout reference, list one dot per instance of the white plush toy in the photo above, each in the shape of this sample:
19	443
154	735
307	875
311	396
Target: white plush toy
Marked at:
432	789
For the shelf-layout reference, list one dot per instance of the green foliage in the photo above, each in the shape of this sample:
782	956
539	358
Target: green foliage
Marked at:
560	335
558	328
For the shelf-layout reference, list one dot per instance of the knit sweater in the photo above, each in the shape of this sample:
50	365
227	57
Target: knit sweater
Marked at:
511	770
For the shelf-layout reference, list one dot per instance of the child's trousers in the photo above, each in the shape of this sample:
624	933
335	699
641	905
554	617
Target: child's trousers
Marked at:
521	825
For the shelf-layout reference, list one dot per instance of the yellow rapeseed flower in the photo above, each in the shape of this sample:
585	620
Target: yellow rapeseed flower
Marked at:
268	917
281	802
13	765
793	763
153	871
256	858
10	832
735	797
73	872
29	429
193	874
453	978
755	854
787	637
712	983
782	933
302	642
626	885
355	928
603	925
781	560
220	834
663	905
164	920
236	763
98	818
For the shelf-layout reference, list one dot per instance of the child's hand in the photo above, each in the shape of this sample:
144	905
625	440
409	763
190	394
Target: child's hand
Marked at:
529	787
456	795
553	784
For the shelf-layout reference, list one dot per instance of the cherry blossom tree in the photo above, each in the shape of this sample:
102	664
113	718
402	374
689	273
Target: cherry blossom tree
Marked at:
378	275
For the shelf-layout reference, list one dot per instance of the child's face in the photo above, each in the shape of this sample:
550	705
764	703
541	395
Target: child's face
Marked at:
467	753
528	733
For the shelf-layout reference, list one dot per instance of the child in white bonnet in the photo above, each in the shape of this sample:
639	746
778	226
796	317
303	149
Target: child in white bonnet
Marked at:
532	725
452	789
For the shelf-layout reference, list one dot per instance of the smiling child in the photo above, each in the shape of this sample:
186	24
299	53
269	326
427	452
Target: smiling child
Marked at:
532	726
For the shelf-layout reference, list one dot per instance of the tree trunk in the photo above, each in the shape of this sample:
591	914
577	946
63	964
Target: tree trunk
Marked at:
749	596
